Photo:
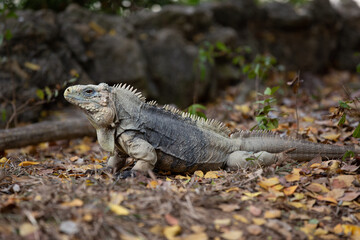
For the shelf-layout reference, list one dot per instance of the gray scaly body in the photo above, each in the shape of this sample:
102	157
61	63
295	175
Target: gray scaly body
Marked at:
170	140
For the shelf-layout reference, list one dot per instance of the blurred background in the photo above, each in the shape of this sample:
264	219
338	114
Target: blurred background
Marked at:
181	52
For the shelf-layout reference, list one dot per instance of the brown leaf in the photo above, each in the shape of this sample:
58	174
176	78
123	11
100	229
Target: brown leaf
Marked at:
228	207
290	190
232	235
317	187
272	214
255	211
349	196
171	220
254	229
346	179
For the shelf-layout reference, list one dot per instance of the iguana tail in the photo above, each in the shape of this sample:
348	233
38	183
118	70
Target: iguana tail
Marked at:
256	141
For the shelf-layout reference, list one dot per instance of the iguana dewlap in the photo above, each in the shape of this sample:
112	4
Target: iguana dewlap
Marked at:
170	140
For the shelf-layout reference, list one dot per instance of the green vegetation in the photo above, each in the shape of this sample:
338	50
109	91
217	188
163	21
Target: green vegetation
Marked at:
265	122
195	109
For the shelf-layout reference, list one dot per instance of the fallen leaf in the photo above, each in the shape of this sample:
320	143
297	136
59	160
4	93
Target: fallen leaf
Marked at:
182	177
222	222
268	182
171	220
259	221
74	203
254	229
232	189
331	136
228	207
3	160
336	193
297	205
27	163
272	214
349	196
118	210
240	218
211	174
196	236
317	187
199	173
26	229
32	66
255	211
152	184
171	231
327	199
255	194
290	190
232	235
342	181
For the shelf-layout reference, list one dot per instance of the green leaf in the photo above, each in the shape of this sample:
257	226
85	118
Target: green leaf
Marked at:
3	115
358	68
274	89
257	69
221	46
313	221
342	120
267	91
1	39
348	154
344	105
194	110
356	133
8	34
40	94
72	80
48	93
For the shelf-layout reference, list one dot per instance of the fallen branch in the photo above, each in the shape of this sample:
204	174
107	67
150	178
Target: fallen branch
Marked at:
45	131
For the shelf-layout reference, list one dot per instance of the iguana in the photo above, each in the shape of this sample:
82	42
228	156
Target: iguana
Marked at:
168	139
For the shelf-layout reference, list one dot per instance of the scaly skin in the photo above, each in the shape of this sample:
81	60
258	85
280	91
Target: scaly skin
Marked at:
170	140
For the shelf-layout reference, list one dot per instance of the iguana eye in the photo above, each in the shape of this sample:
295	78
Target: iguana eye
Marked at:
89	91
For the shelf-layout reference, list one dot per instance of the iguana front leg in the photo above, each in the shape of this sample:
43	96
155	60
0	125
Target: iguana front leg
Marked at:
140	150
117	161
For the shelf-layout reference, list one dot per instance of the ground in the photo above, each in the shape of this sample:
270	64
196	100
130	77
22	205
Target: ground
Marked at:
46	193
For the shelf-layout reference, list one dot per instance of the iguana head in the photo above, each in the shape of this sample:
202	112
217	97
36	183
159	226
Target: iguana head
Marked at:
95	100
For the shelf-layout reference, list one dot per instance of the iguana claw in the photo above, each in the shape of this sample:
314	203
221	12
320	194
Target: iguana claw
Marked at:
127	174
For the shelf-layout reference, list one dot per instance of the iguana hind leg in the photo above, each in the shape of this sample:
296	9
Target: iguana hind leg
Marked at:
139	149
243	159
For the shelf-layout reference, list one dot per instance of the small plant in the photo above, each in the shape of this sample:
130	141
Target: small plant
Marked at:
344	108
263	119
195	109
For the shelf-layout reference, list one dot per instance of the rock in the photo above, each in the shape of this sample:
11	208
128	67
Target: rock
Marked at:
171	66
116	59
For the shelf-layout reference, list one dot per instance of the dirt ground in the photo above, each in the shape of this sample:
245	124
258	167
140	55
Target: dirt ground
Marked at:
47	193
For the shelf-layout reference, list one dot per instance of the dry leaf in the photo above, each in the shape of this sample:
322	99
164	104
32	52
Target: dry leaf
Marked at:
74	203
199	173
196	236
171	220
349	196
32	66
255	194
255	211
232	189
118	210
290	190
342	181
317	187
171	231
26	229
241	218
222	222
268	182
327	199
152	184
272	214
259	221
27	163
228	207
254	229
211	174
331	136
232	235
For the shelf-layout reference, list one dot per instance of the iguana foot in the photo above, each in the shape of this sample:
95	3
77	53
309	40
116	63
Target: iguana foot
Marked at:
127	174
105	170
